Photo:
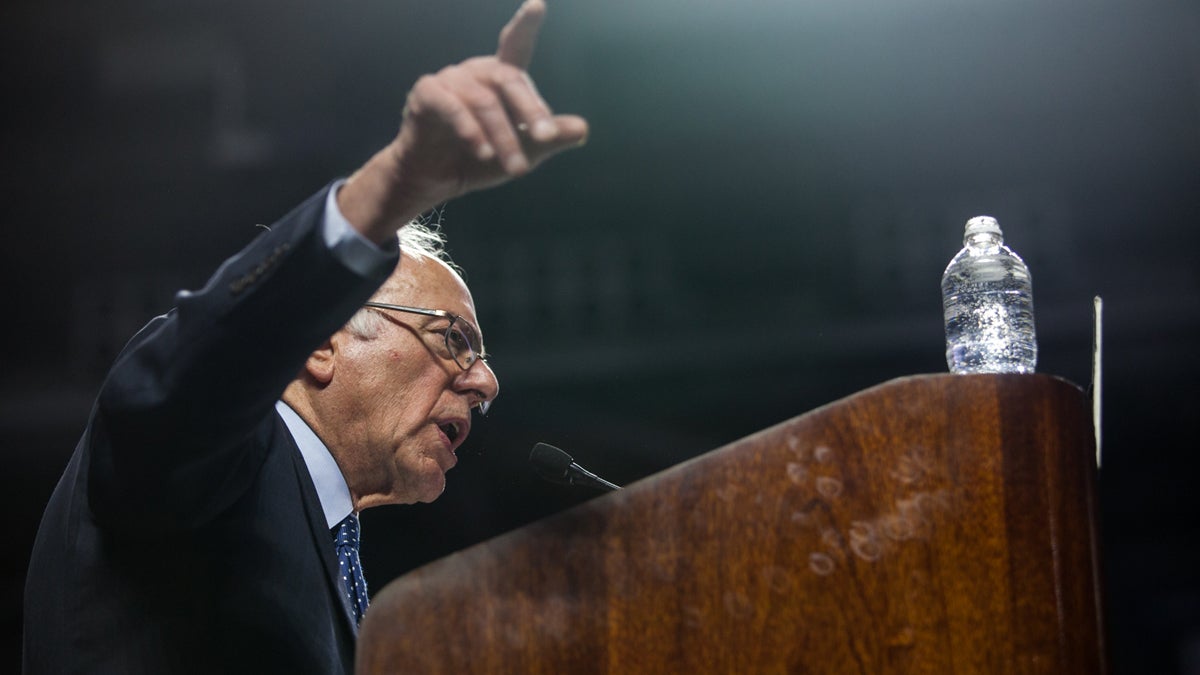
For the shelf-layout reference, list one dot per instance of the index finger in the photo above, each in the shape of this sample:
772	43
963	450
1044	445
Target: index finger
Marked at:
519	35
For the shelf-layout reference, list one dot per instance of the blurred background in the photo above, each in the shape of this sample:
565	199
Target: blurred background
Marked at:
758	226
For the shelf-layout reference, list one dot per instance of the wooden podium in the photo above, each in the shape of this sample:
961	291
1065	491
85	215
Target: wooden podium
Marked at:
931	524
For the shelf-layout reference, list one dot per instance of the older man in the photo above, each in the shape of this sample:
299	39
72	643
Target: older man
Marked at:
207	520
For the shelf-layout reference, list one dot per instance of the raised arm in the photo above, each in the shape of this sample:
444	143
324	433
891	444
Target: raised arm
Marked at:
469	126
180	400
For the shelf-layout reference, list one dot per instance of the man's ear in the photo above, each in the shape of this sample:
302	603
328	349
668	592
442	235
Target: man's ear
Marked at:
319	365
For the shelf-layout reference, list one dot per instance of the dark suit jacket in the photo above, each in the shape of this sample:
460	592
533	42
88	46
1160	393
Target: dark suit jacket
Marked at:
186	534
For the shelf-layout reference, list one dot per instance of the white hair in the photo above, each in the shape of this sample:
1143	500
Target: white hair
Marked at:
420	239
424	239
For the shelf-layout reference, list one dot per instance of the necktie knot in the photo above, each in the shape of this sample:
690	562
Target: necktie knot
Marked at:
350	568
347	533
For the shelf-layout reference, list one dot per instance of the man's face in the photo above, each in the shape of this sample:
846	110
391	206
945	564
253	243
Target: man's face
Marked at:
402	404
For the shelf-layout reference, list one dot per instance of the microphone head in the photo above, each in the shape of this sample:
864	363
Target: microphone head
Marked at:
551	463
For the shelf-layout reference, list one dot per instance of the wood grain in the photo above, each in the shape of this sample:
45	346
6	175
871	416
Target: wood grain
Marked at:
932	524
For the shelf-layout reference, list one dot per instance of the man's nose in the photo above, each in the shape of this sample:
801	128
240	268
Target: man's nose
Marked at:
481	379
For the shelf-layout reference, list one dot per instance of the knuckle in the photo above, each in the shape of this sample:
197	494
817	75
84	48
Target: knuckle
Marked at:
423	85
507	75
423	91
479	98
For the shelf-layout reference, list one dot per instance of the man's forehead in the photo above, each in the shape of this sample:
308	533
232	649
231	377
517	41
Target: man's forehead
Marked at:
427	282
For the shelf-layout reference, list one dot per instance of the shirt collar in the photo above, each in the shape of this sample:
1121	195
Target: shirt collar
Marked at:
326	476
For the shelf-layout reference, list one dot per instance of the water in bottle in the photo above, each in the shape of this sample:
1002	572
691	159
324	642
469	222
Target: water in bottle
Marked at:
987	300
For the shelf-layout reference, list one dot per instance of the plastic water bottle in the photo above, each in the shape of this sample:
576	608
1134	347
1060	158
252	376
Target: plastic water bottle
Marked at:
987	301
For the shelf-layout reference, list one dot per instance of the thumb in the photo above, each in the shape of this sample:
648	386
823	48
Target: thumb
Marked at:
572	132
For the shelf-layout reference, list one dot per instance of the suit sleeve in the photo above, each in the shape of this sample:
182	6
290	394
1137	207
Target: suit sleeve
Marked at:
169	445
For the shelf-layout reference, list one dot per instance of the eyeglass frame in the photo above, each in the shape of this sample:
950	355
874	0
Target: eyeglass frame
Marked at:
475	354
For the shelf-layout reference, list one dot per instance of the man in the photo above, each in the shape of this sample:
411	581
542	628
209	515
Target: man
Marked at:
237	436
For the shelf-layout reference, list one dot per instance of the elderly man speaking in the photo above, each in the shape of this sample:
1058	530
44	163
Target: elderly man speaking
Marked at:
207	521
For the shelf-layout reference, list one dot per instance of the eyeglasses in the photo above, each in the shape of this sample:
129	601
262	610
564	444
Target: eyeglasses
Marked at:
462	339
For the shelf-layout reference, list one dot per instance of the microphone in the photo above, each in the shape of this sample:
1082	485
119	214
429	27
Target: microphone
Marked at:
557	466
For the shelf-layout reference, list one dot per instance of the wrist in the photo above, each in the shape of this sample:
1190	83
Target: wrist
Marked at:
379	199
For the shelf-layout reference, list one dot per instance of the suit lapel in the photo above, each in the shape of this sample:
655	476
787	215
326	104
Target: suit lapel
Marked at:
322	539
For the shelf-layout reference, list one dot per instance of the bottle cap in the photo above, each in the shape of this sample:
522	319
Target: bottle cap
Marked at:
982	225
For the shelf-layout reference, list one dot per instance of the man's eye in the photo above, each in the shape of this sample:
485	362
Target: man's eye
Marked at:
458	341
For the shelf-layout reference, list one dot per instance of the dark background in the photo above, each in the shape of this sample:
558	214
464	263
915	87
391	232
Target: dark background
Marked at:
757	226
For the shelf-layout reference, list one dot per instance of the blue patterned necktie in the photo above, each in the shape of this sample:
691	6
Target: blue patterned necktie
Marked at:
355	584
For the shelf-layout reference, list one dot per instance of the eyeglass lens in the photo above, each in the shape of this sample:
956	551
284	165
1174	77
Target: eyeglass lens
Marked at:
463	342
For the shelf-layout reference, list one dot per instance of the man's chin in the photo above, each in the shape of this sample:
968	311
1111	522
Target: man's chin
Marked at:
432	487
